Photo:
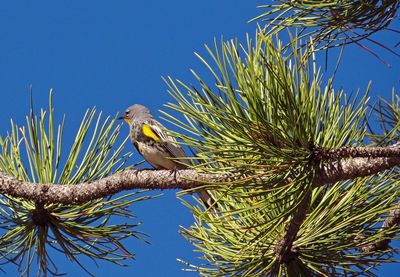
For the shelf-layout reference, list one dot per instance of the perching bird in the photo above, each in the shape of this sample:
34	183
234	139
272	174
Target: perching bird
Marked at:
157	148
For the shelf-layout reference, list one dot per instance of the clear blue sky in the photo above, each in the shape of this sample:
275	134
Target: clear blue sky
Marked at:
111	54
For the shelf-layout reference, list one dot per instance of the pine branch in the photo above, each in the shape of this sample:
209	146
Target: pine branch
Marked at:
356	152
84	192
392	220
339	171
328	173
369	160
284	251
345	169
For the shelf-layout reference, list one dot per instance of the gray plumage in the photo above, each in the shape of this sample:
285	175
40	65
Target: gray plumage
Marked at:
138	113
151	141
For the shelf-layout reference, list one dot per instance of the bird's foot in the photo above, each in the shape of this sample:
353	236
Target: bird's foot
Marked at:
174	171
138	170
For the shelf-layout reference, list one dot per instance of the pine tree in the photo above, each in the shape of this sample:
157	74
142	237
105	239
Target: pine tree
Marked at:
302	185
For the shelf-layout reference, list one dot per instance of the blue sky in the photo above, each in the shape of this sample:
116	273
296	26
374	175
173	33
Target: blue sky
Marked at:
111	54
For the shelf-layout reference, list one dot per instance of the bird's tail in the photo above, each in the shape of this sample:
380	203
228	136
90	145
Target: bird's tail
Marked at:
206	198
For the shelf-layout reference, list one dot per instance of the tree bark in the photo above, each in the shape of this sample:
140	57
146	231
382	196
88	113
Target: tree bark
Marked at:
328	173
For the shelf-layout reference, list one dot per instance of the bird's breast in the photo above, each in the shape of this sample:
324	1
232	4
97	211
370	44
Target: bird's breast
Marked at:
156	155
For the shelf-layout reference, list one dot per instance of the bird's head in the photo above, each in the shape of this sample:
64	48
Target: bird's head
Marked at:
136	112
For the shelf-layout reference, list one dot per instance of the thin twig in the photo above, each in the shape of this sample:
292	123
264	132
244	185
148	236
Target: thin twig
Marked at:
392	220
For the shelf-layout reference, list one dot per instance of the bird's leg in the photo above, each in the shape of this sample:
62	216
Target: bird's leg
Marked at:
174	171
137	170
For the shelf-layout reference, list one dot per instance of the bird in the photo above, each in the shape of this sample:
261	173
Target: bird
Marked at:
158	148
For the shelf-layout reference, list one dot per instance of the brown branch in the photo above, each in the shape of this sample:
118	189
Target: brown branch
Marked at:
126	180
284	252
322	154
392	220
360	167
164	179
346	169
328	173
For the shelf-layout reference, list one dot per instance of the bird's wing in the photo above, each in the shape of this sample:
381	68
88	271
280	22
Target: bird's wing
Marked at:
154	131
168	142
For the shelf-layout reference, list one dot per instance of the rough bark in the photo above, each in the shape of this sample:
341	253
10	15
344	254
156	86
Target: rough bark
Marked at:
126	180
335	171
284	251
330	172
356	152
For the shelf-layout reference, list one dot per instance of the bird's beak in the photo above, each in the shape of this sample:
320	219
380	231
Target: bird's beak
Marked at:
125	118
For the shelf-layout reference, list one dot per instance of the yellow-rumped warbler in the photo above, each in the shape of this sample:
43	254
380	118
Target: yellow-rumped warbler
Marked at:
157	148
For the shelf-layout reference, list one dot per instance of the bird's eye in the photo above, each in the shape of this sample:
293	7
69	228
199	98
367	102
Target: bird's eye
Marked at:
126	112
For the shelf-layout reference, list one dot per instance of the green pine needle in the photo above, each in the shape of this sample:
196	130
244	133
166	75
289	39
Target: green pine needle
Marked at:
258	117
31	233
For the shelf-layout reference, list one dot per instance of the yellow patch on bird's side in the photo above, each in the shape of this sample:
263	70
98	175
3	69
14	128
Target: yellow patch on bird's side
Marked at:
148	132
